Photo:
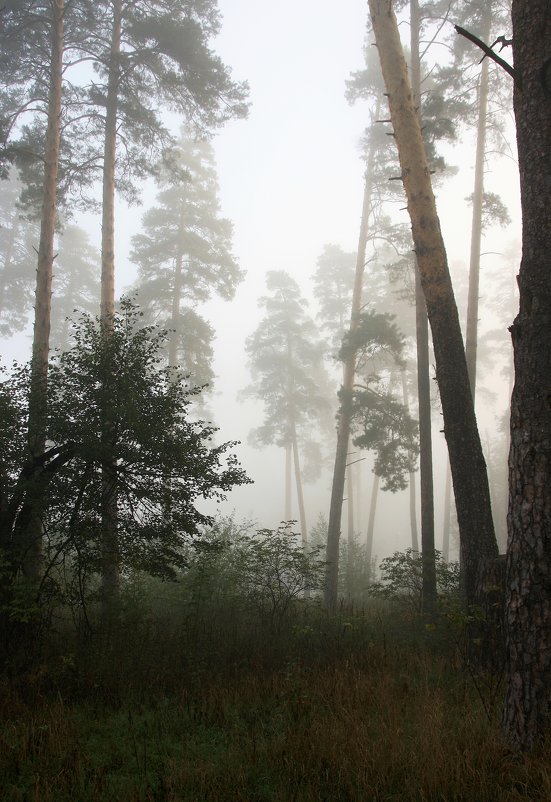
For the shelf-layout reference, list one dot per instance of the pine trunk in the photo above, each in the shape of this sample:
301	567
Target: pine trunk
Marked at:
288	462
371	521
470	481
527	709
176	300
32	549
447	515
412	482
471	338
423	369
345	412
298	481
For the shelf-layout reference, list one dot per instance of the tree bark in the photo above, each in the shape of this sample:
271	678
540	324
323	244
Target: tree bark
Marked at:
527	711
345	412
32	560
470	481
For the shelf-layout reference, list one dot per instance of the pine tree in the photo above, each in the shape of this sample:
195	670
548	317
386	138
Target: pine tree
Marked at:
76	277
184	256
286	359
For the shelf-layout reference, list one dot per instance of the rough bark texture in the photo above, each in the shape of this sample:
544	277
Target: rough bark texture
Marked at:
43	296
527	709
470	481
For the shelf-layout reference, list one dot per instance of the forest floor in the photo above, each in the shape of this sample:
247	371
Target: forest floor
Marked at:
371	706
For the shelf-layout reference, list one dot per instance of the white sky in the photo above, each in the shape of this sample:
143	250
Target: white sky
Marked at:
291	181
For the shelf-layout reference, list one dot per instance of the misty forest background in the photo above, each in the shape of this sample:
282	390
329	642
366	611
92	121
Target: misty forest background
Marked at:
231	565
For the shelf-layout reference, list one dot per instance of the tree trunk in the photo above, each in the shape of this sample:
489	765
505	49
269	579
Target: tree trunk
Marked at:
298	481
288	455
345	412
447	514
371	521
471	338
423	369
412	482
350	528
32	559
527	711
176	300
110	554
470	481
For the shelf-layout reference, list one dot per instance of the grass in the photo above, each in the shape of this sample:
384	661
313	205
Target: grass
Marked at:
362	708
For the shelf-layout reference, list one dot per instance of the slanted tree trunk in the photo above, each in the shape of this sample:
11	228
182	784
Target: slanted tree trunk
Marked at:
527	711
32	548
470	481
345	412
110	555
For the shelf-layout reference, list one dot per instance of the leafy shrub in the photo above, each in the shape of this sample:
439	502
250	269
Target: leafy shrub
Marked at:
402	579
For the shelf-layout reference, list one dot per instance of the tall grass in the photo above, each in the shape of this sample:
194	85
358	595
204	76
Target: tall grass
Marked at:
214	706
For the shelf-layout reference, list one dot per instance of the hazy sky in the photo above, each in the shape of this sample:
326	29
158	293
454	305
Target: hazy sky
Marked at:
291	181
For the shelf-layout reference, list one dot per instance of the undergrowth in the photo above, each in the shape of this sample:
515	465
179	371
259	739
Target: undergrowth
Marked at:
214	705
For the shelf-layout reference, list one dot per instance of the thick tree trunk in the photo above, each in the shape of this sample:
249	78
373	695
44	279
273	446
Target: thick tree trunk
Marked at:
470	481
527	709
345	412
43	297
110	554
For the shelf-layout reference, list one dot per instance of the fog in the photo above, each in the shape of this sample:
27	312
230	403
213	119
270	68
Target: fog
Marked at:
291	181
